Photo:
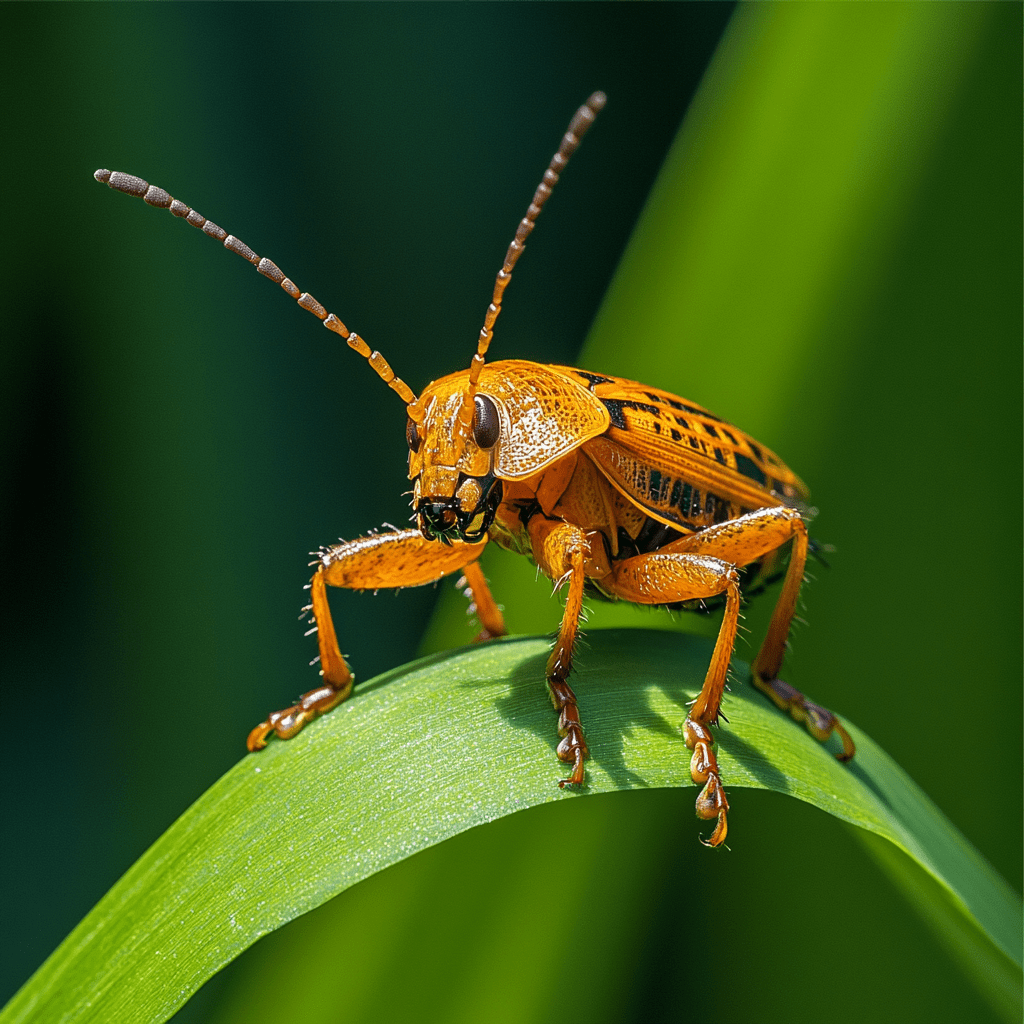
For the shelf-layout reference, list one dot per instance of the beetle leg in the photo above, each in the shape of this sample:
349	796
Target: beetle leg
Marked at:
820	721
334	670
664	577
560	550
769	658
764	671
403	558
742	541
474	583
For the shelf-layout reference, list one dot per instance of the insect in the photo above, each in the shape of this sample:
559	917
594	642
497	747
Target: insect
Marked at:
611	487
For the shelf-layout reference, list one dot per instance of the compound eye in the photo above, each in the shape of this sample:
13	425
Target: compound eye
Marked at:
412	435
485	422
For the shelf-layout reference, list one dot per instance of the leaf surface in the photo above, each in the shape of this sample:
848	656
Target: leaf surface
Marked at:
449	742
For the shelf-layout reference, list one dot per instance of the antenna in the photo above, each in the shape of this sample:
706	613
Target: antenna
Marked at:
581	121
154	196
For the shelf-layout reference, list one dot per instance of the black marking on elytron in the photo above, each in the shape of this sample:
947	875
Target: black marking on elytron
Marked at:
616	405
676	436
711	430
658	487
654	485
695	444
657	427
685	424
751	469
757	451
615	414
593	378
643	407
720	457
675	498
732	440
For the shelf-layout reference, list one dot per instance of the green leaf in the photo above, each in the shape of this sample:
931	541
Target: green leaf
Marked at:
452	741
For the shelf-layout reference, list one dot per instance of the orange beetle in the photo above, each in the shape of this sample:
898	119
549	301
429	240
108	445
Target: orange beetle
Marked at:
609	486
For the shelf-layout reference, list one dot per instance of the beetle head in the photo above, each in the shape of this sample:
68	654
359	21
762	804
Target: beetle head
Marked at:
525	417
455	490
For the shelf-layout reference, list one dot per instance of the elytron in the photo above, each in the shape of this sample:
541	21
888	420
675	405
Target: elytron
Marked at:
610	487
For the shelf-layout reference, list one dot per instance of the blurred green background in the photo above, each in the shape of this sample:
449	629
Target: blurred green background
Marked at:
176	438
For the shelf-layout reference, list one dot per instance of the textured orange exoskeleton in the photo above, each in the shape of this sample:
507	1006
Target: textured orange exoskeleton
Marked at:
611	487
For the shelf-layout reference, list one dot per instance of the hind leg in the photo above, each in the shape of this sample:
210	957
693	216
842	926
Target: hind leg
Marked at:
704	564
820	722
764	672
742	541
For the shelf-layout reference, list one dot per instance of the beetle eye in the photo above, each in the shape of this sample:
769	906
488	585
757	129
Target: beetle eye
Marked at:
412	435
485	422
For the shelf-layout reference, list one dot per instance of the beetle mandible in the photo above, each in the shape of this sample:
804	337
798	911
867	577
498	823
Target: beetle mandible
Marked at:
611	487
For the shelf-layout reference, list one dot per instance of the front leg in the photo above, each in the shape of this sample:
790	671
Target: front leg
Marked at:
403	558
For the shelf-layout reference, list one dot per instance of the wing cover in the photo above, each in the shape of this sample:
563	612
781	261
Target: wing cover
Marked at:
681	463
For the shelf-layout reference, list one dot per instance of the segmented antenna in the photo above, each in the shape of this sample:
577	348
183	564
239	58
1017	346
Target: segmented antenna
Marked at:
581	121
133	186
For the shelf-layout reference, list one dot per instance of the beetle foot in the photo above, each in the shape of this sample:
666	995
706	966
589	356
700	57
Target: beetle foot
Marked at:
820	722
711	802
573	747
287	723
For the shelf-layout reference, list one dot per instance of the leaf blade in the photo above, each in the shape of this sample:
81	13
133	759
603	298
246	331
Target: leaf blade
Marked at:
431	749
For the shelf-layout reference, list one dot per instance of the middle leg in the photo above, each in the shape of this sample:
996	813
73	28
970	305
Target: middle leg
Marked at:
474	584
560	550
